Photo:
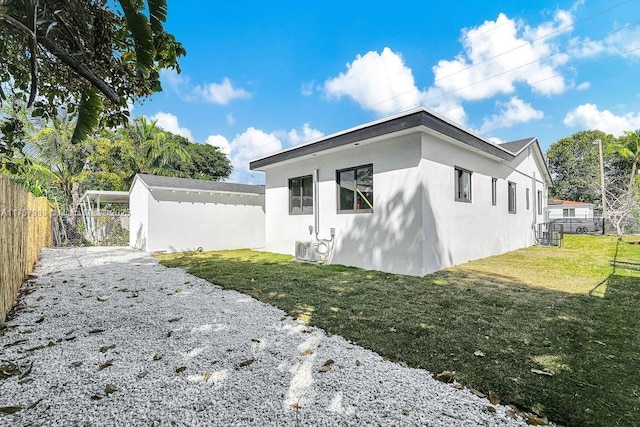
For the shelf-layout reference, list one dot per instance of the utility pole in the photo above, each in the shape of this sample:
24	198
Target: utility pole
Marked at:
604	196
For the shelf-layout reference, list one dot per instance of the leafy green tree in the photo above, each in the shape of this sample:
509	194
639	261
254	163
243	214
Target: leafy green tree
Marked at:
205	161
574	166
90	57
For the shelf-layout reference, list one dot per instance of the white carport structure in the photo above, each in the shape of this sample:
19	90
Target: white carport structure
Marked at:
178	214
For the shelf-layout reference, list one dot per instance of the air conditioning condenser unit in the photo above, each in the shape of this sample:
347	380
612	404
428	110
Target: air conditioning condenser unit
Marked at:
306	251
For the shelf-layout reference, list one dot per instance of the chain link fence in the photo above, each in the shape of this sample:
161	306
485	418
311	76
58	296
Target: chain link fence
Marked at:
92	229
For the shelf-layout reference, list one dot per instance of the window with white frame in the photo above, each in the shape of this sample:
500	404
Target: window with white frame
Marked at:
355	189
569	213
301	195
462	185
494	191
512	197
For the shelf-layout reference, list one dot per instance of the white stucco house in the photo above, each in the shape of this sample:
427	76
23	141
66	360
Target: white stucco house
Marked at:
569	209
410	194
178	214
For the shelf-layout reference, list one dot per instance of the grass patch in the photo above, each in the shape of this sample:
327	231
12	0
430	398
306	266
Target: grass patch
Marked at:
535	308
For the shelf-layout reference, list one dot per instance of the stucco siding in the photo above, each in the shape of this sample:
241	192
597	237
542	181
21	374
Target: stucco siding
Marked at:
417	226
389	238
184	221
139	219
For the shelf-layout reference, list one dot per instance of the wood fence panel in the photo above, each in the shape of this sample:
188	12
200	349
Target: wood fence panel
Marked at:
25	228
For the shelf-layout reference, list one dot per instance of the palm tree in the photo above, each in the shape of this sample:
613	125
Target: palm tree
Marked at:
628	147
55	159
154	153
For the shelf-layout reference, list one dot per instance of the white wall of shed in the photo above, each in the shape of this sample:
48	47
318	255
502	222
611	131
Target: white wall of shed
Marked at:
185	221
139	219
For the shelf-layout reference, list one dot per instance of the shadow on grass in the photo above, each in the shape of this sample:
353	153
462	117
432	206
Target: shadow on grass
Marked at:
590	345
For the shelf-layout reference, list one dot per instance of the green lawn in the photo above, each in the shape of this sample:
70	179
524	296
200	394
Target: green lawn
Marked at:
536	308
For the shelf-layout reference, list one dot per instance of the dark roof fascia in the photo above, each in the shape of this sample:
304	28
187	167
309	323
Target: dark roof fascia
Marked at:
397	124
185	184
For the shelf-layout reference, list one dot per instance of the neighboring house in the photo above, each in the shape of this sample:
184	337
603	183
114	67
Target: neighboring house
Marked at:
178	214
409	194
568	209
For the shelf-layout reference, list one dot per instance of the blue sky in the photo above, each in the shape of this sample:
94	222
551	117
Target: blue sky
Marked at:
262	76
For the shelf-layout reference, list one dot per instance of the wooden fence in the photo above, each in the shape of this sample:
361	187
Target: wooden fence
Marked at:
25	228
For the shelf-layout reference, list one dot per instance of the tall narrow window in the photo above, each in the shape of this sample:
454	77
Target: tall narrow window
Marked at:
539	202
301	195
494	191
512	197
463	185
528	196
355	189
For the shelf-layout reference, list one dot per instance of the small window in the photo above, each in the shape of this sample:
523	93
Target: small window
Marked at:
539	202
528	195
494	191
355	189
463	185
301	195
569	213
512	197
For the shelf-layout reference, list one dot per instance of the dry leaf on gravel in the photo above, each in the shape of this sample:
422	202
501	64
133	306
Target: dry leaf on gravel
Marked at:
494	398
480	394
105	365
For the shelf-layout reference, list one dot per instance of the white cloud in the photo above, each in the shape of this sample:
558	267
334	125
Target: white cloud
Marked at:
230	119
512	112
383	83
221	142
307	133
499	54
220	93
306	89
214	93
623	41
588	116
250	145
378	82
583	86
169	123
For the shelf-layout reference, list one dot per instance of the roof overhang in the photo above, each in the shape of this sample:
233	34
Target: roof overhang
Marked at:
416	120
101	196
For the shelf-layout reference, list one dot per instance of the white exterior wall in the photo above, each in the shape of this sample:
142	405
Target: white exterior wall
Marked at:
185	221
177	221
555	211
139	215
458	232
416	226
389	239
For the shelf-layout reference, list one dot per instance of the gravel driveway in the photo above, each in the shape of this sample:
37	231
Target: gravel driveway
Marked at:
107	336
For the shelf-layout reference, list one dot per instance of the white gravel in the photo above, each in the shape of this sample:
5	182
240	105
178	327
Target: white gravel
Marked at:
180	351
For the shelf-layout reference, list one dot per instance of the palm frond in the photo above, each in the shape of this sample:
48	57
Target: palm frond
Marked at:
140	30
88	116
157	15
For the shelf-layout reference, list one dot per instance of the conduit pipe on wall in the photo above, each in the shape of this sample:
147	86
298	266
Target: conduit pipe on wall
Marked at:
323	246
316	205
